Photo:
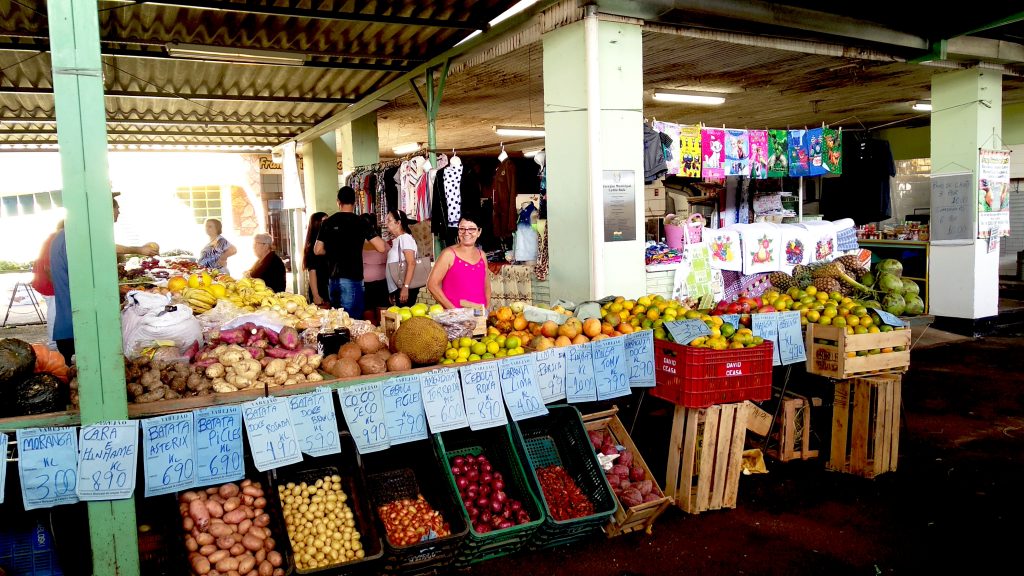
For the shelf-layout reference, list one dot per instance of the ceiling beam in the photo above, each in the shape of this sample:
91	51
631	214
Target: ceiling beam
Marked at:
976	48
267	8
141	133
157	52
160	122
18	90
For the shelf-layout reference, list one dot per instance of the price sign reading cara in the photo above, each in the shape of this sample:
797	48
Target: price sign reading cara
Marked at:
520	387
362	408
169	453
482	391
403	409
218	445
48	466
108	460
272	437
442	400
315	422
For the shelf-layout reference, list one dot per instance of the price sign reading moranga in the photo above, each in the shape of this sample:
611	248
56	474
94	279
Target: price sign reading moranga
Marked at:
272	438
316	424
107	460
520	387
48	466
364	413
169	453
218	445
403	409
481	389
442	400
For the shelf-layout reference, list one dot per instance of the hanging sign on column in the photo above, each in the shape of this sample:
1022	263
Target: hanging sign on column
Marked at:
272	438
442	400
364	413
316	424
551	374
520	387
481	389
218	444
610	368
108	460
403	409
48	466
169	453
639	348
580	385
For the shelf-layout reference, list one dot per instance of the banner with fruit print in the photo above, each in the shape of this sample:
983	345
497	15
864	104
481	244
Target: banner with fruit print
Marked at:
724	244
994	193
689	151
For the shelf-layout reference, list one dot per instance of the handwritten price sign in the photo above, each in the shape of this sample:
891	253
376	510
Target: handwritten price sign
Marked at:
482	391
365	416
791	342
272	438
3	465
551	374
315	422
520	388
48	466
580	384
610	368
219	444
169	453
107	461
403	409
639	347
442	400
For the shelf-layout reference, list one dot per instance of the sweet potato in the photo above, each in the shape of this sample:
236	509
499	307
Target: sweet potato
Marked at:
233	336
637	473
631	497
288	338
620	470
651	497
228	490
644	487
625	458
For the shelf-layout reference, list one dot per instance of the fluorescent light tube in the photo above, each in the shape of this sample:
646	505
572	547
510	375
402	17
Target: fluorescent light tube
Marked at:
408	148
239	55
535	131
707	99
923	106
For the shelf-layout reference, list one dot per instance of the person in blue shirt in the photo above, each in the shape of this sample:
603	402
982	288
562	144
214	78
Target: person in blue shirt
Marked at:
63	329
214	255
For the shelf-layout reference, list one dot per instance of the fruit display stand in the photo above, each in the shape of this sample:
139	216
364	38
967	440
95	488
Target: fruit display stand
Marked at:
560	439
705	456
699	377
833	353
640	517
866	425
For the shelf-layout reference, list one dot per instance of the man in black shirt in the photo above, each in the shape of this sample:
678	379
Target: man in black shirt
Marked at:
341	239
269	267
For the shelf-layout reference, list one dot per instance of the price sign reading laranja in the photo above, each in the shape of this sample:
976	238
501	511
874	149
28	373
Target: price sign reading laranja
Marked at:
482	391
551	374
580	385
272	438
315	422
169	453
364	413
442	400
403	409
219	444
48	466
610	368
108	460
520	388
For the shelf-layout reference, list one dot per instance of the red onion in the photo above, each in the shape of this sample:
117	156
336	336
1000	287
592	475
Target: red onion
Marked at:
497	477
459	461
481	460
515	505
482	529
485	467
473	512
485	489
461	482
504	524
472	475
486	478
498	485
456	470
485	517
499	496
470	459
483	503
496	506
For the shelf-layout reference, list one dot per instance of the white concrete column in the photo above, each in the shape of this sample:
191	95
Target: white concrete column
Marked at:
359	143
320	173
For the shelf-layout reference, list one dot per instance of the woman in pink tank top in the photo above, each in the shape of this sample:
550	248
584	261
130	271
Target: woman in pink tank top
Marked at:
460	274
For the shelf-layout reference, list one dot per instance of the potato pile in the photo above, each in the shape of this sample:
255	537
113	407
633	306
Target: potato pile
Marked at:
364	356
231	368
227	531
321	526
149	380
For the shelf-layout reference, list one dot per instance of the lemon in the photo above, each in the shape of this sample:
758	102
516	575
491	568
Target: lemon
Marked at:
462	360
465	343
487	356
478	348
517	351
512	342
493	347
757	341
873	330
825	321
463	353
885	328
839	322
692	315
853	321
727	330
474	357
735	345
451	354
813	315
501	354
860	330
829	312
811	290
448	361
699	341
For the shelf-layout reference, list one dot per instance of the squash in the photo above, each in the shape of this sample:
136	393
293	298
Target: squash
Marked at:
50	362
17	361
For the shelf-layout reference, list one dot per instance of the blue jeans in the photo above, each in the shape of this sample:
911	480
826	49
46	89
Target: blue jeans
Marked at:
347	294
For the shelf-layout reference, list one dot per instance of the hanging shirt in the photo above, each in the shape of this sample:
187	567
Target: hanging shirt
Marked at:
453	193
505	191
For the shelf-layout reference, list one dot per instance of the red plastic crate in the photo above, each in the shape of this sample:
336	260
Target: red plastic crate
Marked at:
699	377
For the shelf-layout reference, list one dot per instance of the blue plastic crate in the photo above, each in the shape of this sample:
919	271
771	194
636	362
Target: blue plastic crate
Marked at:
29	553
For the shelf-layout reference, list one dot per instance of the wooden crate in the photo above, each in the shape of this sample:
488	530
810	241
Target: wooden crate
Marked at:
640	517
793	430
866	425
705	456
831	352
390	321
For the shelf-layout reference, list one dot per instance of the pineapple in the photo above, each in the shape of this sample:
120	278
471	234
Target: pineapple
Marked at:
802	276
827	285
781	281
852	265
835	271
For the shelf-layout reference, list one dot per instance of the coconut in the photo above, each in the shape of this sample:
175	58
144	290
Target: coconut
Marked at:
346	368
372	364
399	363
369	343
350	351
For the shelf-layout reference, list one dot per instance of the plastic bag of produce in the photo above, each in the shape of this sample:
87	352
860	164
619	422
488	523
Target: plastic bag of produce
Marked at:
219	315
457	322
151	318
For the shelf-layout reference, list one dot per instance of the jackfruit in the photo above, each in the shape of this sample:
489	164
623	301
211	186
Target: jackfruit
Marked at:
421	339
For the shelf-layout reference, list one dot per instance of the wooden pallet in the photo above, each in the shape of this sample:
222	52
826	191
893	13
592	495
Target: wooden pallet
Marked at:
794	430
866	425
832	353
705	456
640	517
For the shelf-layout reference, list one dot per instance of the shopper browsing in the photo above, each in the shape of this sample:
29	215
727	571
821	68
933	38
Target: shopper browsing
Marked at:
216	253
375	288
403	248
341	239
459	277
42	283
269	267
317	274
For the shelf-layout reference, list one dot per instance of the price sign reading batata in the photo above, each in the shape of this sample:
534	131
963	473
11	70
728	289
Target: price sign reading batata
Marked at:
218	445
48	466
316	424
272	438
482	391
639	348
403	409
169	453
442	400
108	460
364	413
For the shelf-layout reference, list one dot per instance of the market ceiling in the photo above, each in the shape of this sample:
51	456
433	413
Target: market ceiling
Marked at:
349	49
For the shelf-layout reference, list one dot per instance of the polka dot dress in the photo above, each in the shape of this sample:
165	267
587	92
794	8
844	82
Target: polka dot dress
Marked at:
453	193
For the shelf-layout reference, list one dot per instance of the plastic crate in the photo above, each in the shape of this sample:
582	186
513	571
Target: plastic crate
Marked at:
560	439
29	552
699	377
404	471
497	444
348	466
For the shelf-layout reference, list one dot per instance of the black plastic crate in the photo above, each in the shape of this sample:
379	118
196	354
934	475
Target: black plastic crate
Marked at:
560	439
348	466
498	446
405	471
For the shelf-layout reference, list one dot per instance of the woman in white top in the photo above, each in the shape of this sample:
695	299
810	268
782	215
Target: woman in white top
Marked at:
403	247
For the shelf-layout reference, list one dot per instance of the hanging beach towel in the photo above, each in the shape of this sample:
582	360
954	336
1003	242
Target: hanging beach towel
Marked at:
778	153
724	244
712	142
737	153
758	140
799	154
689	151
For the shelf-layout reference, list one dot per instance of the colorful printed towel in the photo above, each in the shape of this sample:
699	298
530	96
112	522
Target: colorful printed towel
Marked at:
796	246
778	153
737	153
712	142
799	154
824	240
758	153
724	244
816	148
833	155
672	158
689	151
762	247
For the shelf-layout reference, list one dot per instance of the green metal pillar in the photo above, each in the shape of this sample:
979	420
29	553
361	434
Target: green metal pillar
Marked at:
359	143
92	264
432	104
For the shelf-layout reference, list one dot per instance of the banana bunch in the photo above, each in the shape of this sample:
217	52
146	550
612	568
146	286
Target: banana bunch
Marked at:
199	299
248	293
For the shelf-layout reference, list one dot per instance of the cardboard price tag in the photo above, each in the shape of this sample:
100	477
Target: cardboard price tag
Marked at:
610	368
639	348
218	444
48	466
316	424
272	438
551	374
403	409
169	453
520	387
108	459
442	400
767	326
580	383
791	341
481	388
888	319
686	331
362	406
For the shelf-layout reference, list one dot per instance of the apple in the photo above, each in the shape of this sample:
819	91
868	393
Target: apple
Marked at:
734	308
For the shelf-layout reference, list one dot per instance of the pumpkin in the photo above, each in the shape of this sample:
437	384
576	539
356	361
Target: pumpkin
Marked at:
50	362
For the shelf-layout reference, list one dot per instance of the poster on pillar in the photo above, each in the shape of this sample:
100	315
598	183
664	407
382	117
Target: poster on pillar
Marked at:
292	193
619	205
689	151
712	142
994	192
